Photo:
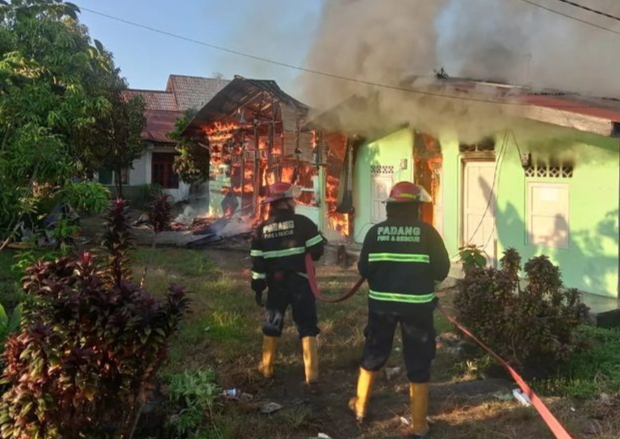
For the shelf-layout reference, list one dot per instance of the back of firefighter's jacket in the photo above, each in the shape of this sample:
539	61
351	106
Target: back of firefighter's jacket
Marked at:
280	244
402	260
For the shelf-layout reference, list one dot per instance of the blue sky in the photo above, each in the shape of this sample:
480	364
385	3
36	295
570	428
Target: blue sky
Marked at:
276	29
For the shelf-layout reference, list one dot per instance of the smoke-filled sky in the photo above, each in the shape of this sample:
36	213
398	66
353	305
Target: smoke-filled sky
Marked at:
502	40
377	40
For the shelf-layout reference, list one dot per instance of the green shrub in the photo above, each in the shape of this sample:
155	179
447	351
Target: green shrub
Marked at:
592	370
147	194
9	322
193	396
534	327
86	196
472	257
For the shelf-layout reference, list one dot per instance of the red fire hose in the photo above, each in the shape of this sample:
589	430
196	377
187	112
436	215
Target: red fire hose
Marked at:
554	425
310	270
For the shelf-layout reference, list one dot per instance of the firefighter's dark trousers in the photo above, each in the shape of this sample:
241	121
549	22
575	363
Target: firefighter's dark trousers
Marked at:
294	290
418	334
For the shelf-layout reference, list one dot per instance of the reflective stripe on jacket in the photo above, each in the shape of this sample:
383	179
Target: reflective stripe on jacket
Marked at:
280	243
402	260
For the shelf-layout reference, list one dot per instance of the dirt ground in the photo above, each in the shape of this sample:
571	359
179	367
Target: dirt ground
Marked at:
230	341
223	332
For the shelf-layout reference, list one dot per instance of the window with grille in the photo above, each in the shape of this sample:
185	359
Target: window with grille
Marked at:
162	171
485	145
544	171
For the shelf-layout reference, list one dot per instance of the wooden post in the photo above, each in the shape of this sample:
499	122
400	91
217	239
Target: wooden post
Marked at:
322	175
242	168
256	170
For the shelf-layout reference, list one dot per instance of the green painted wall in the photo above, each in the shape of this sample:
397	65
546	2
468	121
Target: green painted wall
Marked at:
388	151
451	189
590	262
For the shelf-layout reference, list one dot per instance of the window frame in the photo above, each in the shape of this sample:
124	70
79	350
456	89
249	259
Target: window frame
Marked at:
529	236
169	179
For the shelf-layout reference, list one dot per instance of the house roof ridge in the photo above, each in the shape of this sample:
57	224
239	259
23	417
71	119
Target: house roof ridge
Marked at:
175	75
145	90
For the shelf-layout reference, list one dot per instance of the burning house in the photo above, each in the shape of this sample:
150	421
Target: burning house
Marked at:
256	134
527	184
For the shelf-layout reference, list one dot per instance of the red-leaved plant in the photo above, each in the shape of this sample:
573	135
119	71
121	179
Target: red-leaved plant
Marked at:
89	348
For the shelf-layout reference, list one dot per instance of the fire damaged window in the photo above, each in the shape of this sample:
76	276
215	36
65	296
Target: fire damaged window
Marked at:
485	145
162	171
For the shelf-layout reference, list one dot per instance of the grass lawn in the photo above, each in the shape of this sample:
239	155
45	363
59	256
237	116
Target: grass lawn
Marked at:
223	332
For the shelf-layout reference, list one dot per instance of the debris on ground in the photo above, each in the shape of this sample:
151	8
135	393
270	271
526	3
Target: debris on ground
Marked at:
270	407
391	372
236	395
522	397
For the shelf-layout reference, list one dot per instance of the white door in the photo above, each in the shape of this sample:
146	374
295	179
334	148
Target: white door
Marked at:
381	186
479	207
438	203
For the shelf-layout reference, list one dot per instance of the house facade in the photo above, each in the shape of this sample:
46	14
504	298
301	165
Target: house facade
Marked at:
163	109
548	184
558	197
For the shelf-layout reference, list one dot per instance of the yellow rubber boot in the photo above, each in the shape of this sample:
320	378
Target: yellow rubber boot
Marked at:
359	404
269	355
418	395
311	359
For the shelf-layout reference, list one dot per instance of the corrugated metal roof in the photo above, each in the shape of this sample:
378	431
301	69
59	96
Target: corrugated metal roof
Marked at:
194	92
158	124
522	99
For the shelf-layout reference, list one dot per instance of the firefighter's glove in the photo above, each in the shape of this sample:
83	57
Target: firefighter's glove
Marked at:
258	286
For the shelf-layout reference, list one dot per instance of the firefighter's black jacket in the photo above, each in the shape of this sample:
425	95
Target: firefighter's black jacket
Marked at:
280	245
402	259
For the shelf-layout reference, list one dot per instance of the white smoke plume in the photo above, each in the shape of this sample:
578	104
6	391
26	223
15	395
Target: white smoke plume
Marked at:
403	42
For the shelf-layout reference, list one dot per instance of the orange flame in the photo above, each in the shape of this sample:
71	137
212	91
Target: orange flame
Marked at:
287	174
339	222
221	132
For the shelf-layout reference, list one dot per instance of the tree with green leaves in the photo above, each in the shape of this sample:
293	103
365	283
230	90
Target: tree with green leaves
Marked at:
121	129
192	163
61	112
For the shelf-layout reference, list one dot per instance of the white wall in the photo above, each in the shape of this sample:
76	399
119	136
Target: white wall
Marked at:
180	194
141	172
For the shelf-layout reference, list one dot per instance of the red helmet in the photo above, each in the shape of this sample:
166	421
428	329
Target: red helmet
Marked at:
279	191
407	192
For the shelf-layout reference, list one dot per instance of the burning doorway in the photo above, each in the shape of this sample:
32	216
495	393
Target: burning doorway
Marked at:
427	173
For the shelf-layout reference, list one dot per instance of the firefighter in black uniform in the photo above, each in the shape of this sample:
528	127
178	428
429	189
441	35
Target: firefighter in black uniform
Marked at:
401	258
278	263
